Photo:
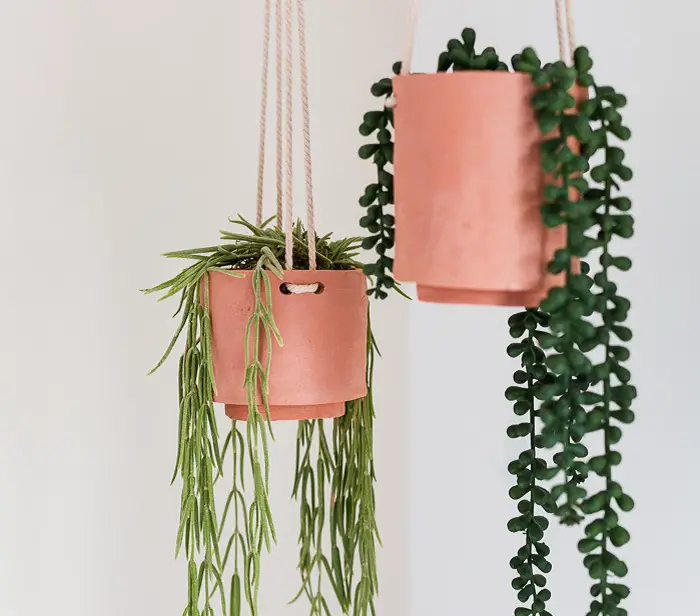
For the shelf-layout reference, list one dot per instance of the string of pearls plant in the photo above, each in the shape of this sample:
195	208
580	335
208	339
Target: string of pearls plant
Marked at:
572	388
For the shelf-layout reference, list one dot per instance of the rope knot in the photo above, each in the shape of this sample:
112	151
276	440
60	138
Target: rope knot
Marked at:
289	288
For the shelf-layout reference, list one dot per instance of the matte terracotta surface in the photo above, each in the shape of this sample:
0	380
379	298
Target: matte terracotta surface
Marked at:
443	295
323	361
553	239
468	190
291	413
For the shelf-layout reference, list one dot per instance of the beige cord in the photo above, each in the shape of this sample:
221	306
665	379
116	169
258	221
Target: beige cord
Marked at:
285	126
298	289
408	47
310	217
561	35
288	68
263	114
280	141
571	27
563	31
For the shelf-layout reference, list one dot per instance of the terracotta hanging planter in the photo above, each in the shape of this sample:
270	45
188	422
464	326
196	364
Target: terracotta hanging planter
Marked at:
469	188
477	198
322	363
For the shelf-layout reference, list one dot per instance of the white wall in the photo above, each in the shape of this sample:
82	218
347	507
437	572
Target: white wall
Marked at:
127	129
459	503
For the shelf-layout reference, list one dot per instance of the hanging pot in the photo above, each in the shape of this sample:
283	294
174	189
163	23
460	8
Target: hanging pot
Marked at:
469	188
322	363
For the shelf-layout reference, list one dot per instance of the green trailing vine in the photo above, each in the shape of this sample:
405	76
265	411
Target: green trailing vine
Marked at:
378	198
341	483
246	526
311	490
239	538
563	401
613	380
531	471
353	527
563	394
585	396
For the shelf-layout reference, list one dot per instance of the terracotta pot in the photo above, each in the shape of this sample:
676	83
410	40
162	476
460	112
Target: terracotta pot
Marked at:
322	363
469	188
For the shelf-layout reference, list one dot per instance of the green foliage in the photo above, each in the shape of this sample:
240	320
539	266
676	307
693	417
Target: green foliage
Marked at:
530	563
237	548
353	527
337	493
461	55
336	506
611	377
563	411
341	483
200	458
344	475
586	314
378	198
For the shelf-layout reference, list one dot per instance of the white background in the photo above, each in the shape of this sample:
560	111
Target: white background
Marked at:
129	128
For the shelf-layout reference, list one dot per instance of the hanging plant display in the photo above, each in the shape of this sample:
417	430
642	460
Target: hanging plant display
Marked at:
276	326
238	294
508	184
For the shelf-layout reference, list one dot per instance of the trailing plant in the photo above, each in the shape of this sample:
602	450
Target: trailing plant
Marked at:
341	483
378	198
530	469
563	393
586	314
246	525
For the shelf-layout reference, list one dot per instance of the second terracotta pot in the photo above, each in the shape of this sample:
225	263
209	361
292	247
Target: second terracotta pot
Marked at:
322	363
468	190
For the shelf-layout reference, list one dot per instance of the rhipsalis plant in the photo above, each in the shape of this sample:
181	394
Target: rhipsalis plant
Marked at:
339	482
565	392
336	490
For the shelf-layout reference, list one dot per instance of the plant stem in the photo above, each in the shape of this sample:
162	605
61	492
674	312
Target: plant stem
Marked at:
606	381
533	452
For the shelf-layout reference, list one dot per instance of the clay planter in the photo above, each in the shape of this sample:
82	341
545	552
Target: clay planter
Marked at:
469	188
322	363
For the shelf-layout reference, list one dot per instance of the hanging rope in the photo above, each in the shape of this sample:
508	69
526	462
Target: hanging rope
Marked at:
279	142
306	117
561	35
284	39
564	30
410	41
263	114
571	27
289	109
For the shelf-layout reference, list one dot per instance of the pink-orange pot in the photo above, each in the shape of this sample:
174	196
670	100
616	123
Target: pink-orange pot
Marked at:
468	189
322	363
